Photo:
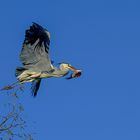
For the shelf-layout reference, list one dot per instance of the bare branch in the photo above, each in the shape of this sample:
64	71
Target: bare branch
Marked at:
12	124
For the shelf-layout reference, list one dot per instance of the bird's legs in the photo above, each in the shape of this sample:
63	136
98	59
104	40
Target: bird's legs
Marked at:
26	77
8	87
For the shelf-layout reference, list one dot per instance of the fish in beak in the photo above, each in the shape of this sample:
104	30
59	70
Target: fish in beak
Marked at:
76	72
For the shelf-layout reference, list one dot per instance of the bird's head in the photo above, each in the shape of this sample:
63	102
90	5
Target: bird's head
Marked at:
67	67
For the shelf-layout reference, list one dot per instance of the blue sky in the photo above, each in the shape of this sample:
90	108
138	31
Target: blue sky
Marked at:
100	37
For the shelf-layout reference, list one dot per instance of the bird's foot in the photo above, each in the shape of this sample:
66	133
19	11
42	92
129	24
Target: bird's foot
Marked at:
9	87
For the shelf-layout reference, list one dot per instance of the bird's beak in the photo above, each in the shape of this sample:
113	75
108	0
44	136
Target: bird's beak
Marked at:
76	72
72	68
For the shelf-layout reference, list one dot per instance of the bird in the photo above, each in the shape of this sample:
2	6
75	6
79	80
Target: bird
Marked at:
36	60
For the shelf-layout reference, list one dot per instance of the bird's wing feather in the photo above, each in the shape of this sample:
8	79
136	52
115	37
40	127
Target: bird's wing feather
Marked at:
35	86
35	51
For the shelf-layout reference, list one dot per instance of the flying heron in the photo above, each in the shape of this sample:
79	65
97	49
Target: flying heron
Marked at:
36	60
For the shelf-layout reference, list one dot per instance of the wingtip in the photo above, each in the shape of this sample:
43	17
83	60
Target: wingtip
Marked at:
36	25
35	87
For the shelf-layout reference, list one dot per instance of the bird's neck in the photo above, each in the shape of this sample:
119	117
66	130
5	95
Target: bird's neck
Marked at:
59	72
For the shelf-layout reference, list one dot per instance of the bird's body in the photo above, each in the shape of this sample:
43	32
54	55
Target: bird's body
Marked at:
28	75
36	60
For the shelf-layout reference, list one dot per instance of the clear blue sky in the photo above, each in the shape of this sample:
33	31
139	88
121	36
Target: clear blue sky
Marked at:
100	37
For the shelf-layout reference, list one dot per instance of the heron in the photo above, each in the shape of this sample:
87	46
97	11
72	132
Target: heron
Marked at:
36	60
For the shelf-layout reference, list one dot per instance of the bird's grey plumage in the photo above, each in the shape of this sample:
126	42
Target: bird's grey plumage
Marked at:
35	58
34	54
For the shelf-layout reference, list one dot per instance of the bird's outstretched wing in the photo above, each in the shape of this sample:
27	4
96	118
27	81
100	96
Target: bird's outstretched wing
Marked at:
35	51
35	86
